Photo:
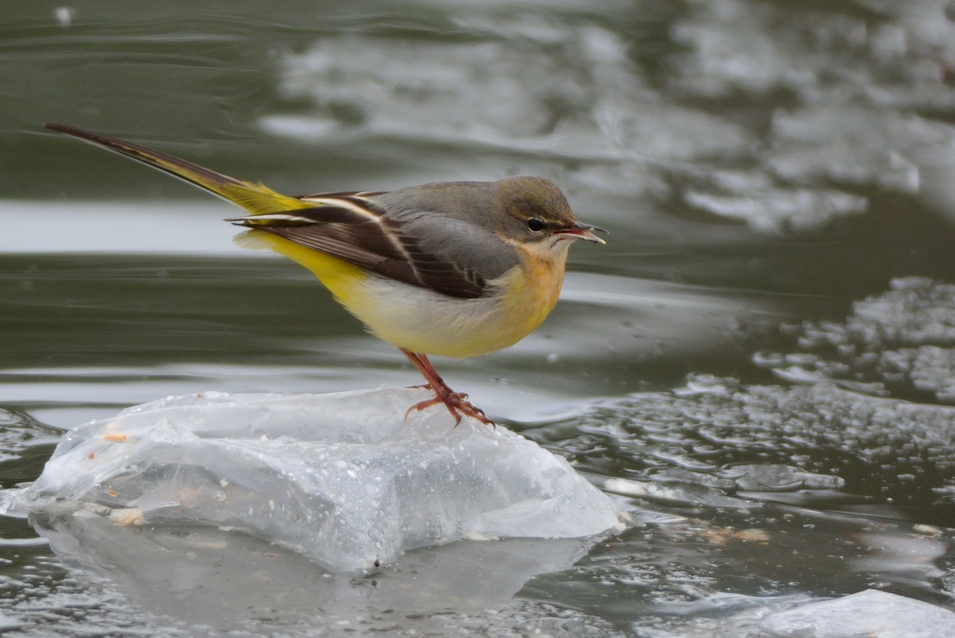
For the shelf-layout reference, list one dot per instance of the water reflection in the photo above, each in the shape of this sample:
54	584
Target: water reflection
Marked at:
228	581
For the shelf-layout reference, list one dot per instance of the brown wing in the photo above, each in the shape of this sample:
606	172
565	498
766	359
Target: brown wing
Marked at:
350	228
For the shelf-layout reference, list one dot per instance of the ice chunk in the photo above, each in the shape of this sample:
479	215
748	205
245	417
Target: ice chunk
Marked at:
903	555
769	477
8	623
774	210
898	342
868	613
806	438
342	478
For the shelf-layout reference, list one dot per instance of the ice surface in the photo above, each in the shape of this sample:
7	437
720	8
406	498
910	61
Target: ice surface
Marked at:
775	210
907	557
851	78
568	89
719	443
900	341
573	88
871	613
835	100
341	478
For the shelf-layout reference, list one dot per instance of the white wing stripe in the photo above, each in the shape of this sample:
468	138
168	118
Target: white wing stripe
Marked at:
342	203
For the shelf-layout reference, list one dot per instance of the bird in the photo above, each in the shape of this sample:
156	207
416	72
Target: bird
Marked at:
457	269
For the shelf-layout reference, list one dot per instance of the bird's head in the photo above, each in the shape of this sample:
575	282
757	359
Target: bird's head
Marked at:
536	214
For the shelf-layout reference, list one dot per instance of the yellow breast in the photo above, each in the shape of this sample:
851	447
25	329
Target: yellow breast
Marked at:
533	293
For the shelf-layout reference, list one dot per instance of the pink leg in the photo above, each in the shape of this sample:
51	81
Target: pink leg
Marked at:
456	402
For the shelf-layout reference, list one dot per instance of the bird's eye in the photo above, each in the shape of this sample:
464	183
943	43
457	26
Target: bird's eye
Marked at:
535	224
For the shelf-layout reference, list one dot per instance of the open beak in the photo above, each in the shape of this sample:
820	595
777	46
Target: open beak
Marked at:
580	230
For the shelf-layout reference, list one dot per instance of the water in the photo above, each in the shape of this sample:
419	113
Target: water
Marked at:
759	363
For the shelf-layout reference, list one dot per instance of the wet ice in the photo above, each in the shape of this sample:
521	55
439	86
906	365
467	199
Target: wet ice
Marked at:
896	343
829	100
867	613
341	478
724	444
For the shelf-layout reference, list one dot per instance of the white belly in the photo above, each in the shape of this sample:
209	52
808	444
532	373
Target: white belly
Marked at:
421	320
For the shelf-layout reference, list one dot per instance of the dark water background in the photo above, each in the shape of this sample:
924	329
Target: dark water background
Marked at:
761	362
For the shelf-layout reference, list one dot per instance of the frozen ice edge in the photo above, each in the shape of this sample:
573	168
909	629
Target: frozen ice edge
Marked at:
867	613
342	478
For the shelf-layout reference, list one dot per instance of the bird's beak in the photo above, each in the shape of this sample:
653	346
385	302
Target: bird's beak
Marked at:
580	230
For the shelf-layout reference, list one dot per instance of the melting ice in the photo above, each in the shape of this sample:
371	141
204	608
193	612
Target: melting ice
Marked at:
341	478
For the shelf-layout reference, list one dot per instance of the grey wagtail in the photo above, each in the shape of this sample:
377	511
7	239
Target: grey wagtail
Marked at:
458	269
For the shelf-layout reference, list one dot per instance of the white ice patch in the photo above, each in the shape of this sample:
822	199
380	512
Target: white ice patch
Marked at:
341	478
868	613
778	210
557	89
823	103
903	339
859	89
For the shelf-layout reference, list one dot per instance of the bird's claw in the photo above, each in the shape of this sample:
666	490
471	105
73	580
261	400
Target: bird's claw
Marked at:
457	404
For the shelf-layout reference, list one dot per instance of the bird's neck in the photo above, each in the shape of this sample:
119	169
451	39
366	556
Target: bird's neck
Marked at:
543	275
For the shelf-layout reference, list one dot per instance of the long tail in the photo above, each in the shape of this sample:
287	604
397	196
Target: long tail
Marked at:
258	199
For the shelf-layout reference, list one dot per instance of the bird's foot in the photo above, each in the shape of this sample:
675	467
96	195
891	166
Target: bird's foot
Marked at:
457	404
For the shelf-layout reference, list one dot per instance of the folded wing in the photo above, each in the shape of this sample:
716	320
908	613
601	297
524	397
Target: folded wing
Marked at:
344	225
353	229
